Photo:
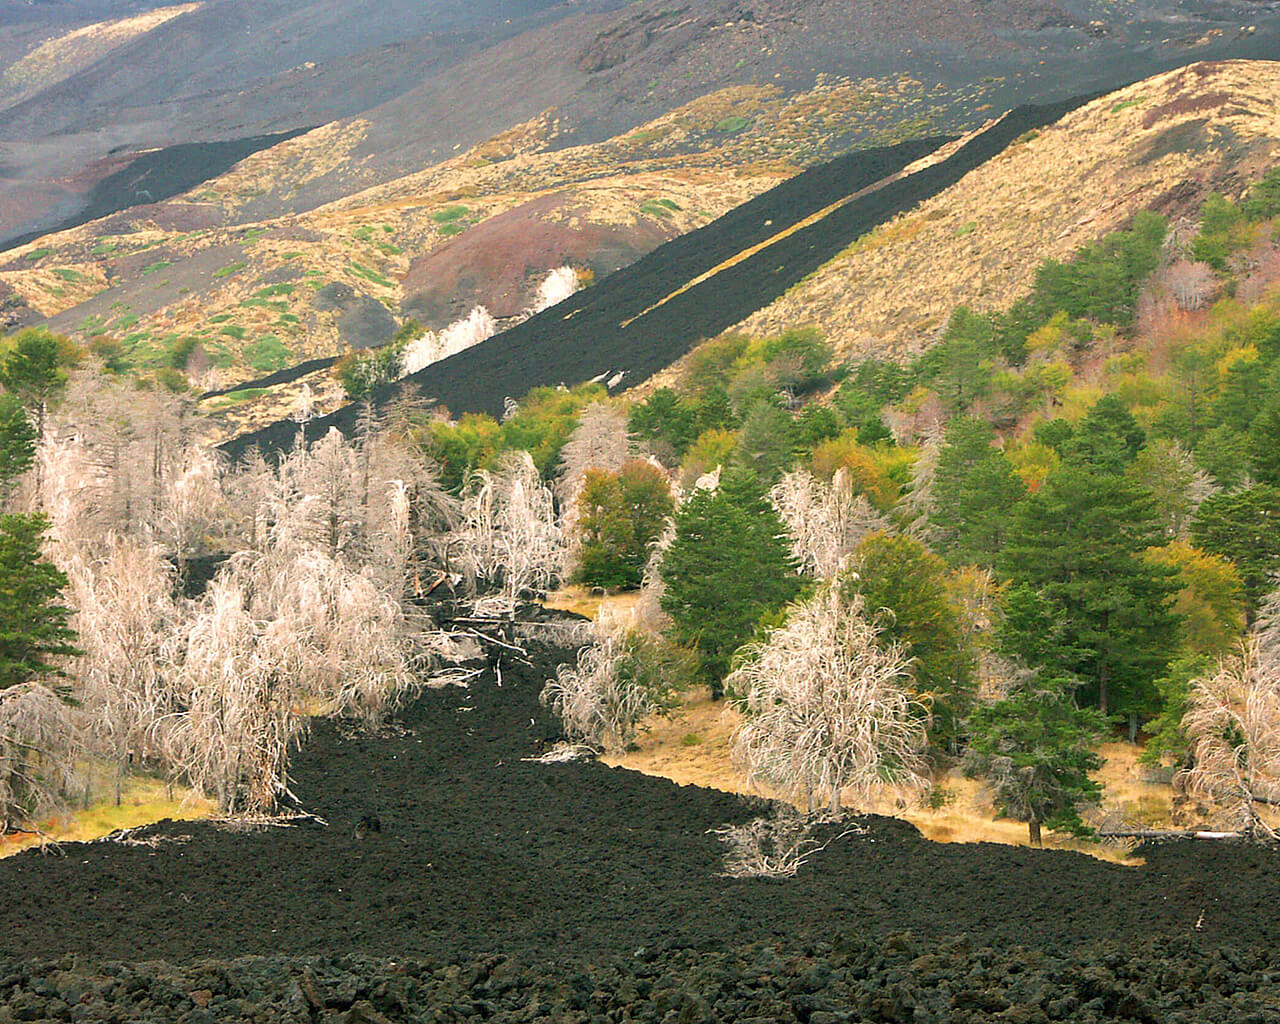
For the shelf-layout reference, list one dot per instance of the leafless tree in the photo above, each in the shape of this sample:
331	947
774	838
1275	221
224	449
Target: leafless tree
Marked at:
510	537
917	502
777	846
828	709
826	521
1233	723
190	503
1192	285
280	633
618	682
39	744
122	591
477	327
600	441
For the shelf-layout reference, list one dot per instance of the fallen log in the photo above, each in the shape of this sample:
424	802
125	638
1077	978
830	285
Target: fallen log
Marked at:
1166	833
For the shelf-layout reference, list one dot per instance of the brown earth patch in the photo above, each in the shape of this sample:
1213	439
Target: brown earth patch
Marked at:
1186	105
500	263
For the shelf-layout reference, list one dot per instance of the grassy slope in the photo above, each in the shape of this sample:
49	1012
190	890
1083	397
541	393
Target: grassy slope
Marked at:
1162	143
153	276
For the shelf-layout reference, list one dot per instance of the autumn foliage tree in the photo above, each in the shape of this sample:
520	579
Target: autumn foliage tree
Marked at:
620	516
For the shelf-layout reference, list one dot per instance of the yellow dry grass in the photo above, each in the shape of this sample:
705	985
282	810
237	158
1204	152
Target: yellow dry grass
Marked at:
57	59
693	749
581	601
144	801
980	241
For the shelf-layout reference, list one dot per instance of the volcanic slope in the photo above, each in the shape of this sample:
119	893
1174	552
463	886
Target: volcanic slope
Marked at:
481	850
417	81
646	317
483	228
1161	144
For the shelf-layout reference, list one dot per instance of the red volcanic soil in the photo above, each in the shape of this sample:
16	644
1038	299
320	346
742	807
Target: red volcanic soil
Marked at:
500	264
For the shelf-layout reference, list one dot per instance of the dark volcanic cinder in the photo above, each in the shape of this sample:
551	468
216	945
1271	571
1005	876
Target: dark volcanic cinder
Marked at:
480	851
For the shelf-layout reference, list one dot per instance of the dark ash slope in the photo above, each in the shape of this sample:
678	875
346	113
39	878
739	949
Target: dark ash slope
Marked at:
481	851
623	322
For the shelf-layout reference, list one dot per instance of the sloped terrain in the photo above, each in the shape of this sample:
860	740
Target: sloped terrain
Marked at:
649	315
1161	144
426	79
481	851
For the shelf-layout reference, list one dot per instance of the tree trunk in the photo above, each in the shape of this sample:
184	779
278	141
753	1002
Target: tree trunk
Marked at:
1033	831
1133	727
1102	689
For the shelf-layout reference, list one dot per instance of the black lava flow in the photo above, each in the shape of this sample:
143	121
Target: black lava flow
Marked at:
480	851
622	322
159	175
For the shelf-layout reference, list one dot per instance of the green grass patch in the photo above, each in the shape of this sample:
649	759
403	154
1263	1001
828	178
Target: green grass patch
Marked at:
456	228
229	269
1126	104
289	318
220	318
966	229
104	247
251	236
274	306
370	275
654	209
387	249
125	322
92	324
292	255
39	254
156	267
272	290
68	274
268	354
236	397
449	214
234	331
733	124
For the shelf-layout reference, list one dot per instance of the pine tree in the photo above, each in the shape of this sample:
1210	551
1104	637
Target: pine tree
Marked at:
974	492
32	370
729	565
1035	747
33	624
1243	526
17	441
1102	610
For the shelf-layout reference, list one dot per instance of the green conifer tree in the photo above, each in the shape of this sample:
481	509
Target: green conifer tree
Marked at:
729	565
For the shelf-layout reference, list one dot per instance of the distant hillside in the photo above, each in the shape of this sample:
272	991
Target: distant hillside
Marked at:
85	87
1161	144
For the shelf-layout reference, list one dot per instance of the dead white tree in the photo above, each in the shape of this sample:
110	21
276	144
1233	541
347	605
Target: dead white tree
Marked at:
1233	724
601	440
1191	284
916	503
617	682
478	326
190	503
39	744
511	538
280	634
125	613
826	521
828	712
777	846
